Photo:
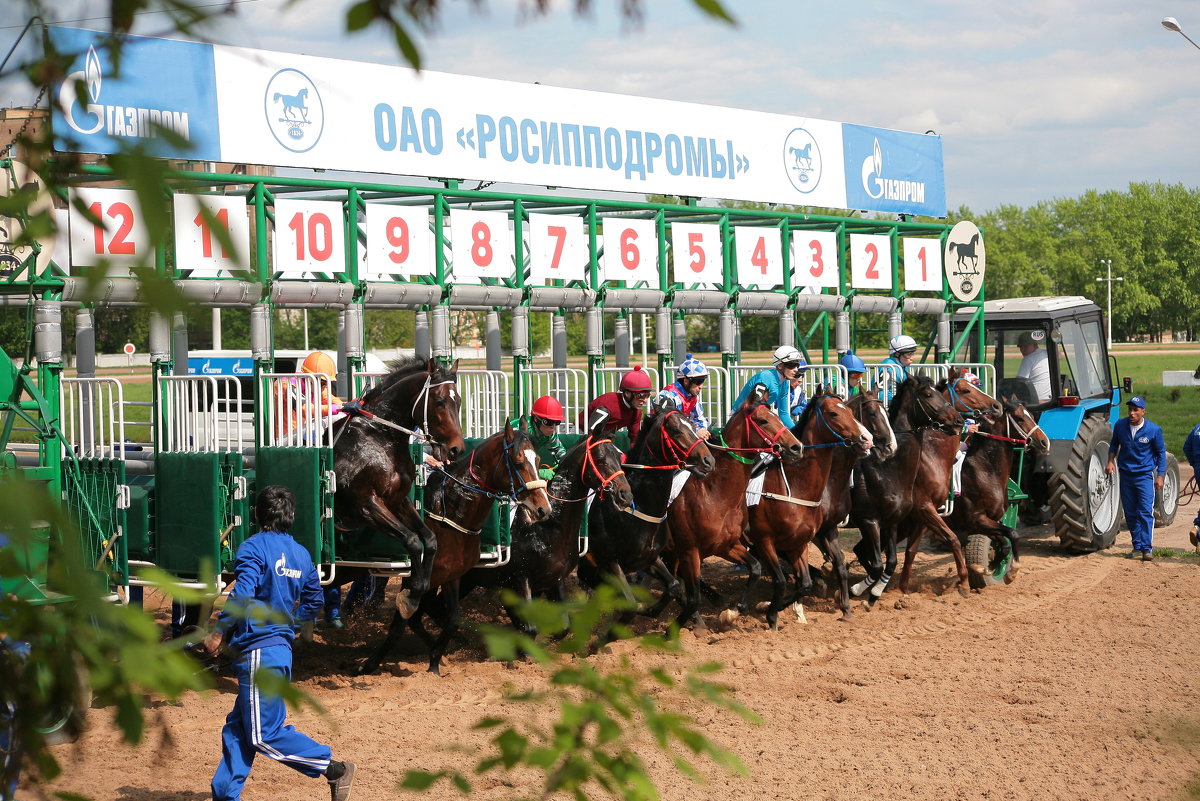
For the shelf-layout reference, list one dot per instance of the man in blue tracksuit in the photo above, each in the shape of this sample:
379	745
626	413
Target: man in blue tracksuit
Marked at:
272	573
1138	450
1191	451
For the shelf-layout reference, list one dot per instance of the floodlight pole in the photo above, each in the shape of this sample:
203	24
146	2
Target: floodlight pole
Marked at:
1109	280
1172	24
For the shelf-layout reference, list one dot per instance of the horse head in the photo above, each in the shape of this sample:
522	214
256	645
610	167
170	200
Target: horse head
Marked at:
827	420
763	428
923	406
968	398
673	438
601	470
1019	424
436	408
516	472
870	411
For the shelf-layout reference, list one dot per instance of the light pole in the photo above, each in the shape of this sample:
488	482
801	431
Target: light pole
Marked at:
1172	24
1109	280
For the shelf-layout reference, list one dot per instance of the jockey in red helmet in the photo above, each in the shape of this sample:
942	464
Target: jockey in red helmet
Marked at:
624	406
545	415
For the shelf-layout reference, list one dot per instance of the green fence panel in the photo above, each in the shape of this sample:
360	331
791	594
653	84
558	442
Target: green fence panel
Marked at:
92	490
195	513
306	472
139	534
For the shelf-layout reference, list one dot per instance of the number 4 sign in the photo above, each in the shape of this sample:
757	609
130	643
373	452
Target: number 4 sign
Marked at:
120	239
922	263
759	257
870	261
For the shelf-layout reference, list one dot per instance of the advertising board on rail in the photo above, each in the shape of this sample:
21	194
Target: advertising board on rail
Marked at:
231	104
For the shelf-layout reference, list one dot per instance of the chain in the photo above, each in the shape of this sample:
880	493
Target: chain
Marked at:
7	150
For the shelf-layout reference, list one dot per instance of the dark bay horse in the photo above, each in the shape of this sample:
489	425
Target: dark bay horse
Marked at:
622	543
545	553
710	517
457	502
373	464
892	497
789	510
835	501
983	502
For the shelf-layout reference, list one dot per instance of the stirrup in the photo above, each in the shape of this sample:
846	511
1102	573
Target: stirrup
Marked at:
947	508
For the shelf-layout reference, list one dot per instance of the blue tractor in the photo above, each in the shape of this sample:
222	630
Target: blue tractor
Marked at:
1051	354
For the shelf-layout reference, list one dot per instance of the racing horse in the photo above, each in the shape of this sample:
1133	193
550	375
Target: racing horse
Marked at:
908	489
373	465
710	517
457	502
624	542
869	410
790	510
545	553
981	507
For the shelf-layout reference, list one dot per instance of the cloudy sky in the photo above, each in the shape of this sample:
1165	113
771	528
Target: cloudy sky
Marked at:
1034	99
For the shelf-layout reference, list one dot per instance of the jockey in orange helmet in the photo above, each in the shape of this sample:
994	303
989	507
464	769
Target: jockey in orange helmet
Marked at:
292	405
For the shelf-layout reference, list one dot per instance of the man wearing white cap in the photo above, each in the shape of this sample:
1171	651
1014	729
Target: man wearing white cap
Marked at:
1138	451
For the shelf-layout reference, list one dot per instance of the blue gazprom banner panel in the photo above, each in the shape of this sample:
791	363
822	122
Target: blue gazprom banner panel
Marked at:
258	107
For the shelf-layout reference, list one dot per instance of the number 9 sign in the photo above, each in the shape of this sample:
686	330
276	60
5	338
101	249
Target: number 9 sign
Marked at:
399	241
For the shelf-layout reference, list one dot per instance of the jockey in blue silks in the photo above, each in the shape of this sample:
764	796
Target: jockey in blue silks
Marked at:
788	364
685	392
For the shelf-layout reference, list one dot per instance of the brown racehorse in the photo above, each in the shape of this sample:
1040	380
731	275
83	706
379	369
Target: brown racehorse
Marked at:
457	502
374	468
907	490
789	510
623	543
710	517
983	502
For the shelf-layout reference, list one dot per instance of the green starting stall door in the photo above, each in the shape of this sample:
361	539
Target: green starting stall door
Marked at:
200	511
307	472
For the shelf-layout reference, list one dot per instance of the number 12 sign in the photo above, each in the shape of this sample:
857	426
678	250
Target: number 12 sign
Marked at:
870	261
121	239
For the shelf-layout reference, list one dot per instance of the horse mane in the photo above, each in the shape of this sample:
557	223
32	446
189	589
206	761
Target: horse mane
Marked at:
649	421
905	389
401	368
807	414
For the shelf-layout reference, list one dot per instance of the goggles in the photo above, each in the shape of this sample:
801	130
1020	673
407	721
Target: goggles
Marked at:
541	421
698	380
790	365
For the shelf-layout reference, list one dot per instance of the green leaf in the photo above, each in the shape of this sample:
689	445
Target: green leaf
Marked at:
407	48
714	9
360	15
420	780
489	723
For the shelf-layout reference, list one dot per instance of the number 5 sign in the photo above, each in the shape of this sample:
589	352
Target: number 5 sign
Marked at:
631	251
870	261
309	237
697	251
120	239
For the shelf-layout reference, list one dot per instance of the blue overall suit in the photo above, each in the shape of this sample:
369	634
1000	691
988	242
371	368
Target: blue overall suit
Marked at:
1139	458
273	571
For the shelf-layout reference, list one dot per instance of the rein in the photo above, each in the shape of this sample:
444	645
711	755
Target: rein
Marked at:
514	477
589	461
733	452
956	399
669	449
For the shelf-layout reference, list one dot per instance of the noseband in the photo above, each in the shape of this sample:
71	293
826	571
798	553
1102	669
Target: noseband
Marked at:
956	399
514	477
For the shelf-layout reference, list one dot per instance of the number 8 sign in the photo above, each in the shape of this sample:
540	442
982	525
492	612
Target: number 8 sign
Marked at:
482	244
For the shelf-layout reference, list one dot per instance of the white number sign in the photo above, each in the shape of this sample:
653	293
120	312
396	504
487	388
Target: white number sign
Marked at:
631	251
310	237
198	245
399	241
922	263
814	259
482	244
121	239
697	251
557	248
870	261
759	257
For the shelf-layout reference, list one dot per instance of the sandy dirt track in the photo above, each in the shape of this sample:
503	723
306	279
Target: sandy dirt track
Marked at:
1077	681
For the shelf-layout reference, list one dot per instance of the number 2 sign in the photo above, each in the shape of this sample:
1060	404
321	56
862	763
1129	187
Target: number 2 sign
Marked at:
814	259
121	238
309	237
922	263
870	261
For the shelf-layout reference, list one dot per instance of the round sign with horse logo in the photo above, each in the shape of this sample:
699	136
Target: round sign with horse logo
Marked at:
294	110
965	260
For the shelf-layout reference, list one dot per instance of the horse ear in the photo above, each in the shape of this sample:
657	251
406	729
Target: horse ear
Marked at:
665	404
509	432
431	366
596	421
524	424
454	367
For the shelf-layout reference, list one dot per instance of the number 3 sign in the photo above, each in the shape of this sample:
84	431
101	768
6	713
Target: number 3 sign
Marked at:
870	261
121	239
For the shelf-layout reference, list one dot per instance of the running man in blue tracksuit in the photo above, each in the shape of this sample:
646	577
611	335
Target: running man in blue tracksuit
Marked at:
1138	451
272	573
1191	451
788	364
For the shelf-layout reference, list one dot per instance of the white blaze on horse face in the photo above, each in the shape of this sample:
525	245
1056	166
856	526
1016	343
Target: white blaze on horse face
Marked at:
868	440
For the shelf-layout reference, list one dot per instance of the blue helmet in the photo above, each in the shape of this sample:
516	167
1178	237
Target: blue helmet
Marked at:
691	367
852	363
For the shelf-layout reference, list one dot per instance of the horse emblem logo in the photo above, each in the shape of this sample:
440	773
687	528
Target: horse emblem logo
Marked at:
802	160
965	260
295	113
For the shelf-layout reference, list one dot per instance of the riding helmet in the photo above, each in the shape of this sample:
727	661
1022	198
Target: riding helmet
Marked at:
636	380
786	353
548	408
902	344
319	363
852	363
691	367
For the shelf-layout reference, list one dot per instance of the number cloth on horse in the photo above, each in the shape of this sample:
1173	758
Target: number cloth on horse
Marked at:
620	415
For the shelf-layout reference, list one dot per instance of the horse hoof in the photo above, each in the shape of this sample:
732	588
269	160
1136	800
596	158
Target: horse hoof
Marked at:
728	616
964	592
405	605
846	617
365	669
798	608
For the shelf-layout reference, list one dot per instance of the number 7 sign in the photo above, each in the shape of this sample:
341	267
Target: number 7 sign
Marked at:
557	247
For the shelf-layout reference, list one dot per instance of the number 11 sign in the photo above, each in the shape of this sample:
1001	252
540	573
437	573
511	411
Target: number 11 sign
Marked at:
200	248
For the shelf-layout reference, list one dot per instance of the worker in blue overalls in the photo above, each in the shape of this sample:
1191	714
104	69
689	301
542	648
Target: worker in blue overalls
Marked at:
1138	451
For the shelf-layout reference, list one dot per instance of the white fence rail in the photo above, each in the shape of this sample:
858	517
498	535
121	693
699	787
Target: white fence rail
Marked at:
93	417
201	414
566	384
485	401
297	413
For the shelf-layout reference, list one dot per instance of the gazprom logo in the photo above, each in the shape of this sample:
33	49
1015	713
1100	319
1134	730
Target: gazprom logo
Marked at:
295	113
128	122
881	188
282	570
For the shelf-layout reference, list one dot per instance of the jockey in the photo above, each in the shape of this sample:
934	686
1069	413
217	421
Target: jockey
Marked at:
545	416
855	370
788	365
685	392
624	406
970	426
902	350
292	407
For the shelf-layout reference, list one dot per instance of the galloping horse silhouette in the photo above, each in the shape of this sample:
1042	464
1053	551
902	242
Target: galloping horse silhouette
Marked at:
967	250
296	102
802	156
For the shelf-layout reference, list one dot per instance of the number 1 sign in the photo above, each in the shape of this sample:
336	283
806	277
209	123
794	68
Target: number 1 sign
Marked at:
121	238
201	249
309	237
922	263
870	261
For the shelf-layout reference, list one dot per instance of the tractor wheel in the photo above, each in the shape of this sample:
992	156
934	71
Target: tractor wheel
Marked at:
984	569
1085	502
1167	502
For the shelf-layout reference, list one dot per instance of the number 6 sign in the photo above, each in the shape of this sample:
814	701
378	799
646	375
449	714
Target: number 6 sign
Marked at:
631	251
870	261
121	239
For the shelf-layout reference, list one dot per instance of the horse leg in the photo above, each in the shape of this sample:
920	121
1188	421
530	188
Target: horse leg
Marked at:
392	637
428	546
779	583
672	590
915	533
1015	565
827	537
379	516
870	555
451	612
689	570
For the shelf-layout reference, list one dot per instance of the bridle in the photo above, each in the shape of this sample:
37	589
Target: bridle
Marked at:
357	408
1009	424
839	440
751	425
956	399
672	453
590	463
514	478
930	416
